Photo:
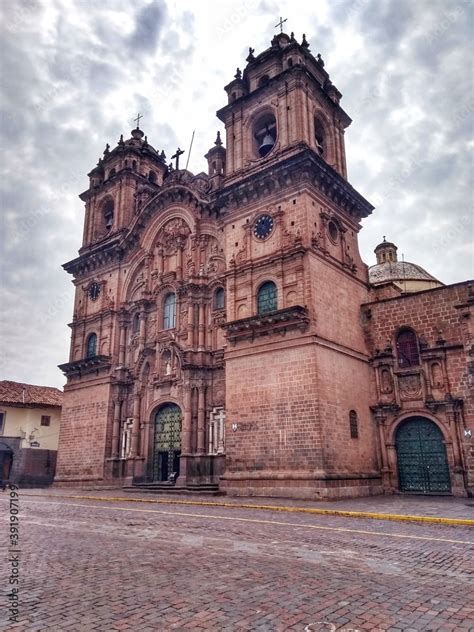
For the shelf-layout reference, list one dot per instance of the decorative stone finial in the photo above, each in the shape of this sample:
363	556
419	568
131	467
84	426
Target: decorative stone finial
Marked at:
304	43
107	150
292	37
163	155
250	56
137	134
121	140
320	59
218	140
238	74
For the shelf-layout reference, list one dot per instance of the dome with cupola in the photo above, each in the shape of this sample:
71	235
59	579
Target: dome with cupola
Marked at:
409	277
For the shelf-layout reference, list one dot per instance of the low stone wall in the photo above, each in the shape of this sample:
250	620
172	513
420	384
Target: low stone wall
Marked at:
31	467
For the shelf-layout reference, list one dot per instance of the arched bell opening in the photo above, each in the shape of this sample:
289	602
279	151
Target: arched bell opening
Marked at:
264	134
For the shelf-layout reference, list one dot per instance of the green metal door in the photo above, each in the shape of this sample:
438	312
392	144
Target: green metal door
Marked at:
167	442
422	462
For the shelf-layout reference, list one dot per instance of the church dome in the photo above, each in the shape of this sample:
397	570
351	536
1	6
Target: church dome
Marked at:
410	277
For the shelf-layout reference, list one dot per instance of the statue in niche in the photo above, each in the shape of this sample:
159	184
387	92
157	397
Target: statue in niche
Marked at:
386	381
437	380
317	240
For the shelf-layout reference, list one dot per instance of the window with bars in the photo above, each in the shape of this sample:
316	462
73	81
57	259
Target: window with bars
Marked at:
407	349
91	346
354	424
169	312
267	298
45	420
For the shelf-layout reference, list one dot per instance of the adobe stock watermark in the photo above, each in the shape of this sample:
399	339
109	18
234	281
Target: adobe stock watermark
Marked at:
14	553
237	14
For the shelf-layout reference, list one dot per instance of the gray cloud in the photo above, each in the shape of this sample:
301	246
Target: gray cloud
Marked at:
148	25
75	74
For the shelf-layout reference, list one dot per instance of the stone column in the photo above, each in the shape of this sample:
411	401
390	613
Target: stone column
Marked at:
201	327
187	420
191	324
116	429
141	340
201	429
122	343
179	262
135	426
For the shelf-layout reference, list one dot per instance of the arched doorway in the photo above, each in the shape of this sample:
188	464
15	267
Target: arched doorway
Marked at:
6	461
421	454
167	442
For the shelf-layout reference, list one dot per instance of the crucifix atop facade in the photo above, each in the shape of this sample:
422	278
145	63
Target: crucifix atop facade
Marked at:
179	152
139	116
280	24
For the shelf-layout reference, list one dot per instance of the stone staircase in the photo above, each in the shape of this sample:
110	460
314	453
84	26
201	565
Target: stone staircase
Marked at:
205	489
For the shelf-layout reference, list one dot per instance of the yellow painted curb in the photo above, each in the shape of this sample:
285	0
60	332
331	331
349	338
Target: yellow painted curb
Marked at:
306	510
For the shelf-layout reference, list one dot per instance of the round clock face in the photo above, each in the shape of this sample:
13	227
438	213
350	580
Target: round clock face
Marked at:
263	226
94	291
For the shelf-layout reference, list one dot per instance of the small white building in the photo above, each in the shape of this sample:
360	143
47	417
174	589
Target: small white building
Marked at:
29	432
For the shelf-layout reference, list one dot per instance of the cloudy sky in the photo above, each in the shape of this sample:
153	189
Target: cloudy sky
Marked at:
75	73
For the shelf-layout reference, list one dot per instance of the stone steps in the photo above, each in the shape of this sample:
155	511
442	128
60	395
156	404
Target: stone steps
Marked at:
209	489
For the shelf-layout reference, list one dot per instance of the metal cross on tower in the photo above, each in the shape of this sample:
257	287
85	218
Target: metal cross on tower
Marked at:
139	116
178	153
280	24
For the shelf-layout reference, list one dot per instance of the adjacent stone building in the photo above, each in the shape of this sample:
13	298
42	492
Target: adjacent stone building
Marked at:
226	331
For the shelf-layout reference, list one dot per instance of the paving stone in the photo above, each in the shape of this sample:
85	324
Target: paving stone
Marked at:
98	567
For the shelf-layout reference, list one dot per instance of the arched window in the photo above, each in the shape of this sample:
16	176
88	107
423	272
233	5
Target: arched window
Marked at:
91	346
112	173
264	133
320	138
407	349
136	324
353	424
219	298
108	212
267	298
169	311
152	176
263	81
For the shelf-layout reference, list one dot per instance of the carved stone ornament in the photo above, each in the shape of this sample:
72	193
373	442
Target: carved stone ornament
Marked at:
410	386
174	233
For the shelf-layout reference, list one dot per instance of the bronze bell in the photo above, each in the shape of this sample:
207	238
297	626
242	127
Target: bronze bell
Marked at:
267	144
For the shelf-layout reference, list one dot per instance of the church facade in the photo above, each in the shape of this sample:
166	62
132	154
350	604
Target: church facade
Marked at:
227	333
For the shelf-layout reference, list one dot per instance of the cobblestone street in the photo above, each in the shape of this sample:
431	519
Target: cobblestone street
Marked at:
120	565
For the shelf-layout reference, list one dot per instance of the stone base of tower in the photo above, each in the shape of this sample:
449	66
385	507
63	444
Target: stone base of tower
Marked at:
301	485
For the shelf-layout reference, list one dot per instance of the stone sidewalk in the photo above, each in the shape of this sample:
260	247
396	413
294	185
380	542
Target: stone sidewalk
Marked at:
431	506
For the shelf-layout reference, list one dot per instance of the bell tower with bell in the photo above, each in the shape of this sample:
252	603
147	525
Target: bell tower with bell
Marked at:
295	282
282	101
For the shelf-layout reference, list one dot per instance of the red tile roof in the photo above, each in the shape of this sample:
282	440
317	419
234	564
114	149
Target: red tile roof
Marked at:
17	393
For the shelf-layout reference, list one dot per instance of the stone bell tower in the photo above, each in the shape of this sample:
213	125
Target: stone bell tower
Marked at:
283	100
297	367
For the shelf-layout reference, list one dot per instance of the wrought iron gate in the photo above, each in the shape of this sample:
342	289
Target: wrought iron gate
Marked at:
422	462
167	442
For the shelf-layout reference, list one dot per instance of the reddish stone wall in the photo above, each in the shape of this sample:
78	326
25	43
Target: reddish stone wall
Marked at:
82	441
272	396
443	321
344	384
